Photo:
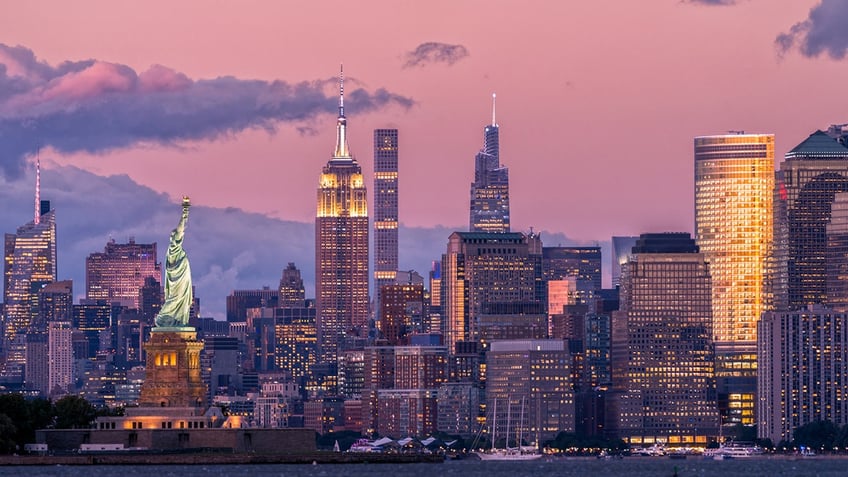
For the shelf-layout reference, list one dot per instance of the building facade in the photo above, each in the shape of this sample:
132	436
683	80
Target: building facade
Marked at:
385	209
492	287
810	176
662	348
30	264
118	273
734	183
490	189
803	370
341	247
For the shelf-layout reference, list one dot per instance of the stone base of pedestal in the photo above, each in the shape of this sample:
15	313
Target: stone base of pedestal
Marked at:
173	370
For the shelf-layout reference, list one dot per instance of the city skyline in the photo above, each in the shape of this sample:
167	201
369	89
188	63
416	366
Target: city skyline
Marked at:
438	78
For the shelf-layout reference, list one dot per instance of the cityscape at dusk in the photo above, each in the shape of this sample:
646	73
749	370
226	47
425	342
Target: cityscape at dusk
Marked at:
617	214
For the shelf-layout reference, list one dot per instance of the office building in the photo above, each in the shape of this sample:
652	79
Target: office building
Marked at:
837	254
492	287
401	312
621	249
811	174
118	273
583	264
60	368
341	246
291	294
239	301
662	349
30	263
385	209
528	382
490	189
734	186
803	373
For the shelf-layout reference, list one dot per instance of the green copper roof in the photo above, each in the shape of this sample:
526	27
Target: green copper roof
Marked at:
819	144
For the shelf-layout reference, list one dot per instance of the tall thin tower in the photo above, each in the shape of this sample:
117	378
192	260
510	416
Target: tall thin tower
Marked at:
489	211
341	246
385	209
30	263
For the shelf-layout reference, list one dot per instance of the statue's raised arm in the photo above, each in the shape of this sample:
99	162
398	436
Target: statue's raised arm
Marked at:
178	294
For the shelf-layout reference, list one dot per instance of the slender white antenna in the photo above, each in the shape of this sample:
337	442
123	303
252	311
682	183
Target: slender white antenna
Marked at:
37	218
493	109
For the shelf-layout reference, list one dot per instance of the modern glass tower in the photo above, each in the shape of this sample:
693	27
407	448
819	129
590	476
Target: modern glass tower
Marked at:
809	178
341	246
734	182
490	189
385	209
30	263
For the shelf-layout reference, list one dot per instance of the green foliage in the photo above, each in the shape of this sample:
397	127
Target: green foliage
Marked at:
820	435
26	416
74	412
7	435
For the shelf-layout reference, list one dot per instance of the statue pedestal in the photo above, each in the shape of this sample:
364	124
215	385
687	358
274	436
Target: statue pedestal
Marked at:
173	370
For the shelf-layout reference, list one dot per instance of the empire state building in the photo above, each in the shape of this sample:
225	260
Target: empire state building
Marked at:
341	246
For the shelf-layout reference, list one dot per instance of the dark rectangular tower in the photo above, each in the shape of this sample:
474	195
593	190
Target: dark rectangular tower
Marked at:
385	209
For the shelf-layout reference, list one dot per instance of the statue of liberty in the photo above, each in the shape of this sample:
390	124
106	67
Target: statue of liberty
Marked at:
178	294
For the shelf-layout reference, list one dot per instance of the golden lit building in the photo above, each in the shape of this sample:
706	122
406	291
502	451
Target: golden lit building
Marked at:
734	184
341	246
117	274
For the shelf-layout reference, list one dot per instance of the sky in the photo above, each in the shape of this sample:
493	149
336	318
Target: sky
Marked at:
233	103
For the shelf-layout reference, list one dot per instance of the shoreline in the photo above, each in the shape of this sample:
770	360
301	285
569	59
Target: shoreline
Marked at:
201	458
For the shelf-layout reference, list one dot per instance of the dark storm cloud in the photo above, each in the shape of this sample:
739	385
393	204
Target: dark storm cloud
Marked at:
824	31
94	106
433	52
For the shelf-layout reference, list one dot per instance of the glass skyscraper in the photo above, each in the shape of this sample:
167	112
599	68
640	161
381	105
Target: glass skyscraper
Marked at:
734	213
30	256
341	246
490	189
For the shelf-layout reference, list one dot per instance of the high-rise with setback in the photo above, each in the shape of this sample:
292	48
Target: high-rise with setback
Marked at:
341	246
490	189
385	209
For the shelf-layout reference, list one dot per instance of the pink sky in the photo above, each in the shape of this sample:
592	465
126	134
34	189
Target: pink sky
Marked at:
598	102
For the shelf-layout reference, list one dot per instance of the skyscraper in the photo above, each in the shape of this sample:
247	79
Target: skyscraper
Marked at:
662	350
734	184
621	250
292	293
385	209
341	246
807	182
734	180
490	189
117	274
30	256
492	287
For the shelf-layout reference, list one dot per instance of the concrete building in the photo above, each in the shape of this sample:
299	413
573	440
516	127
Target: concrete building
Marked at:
529	383
803	372
385	210
60	357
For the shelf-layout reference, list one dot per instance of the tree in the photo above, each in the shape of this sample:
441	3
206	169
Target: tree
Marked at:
816	435
7	435
74	412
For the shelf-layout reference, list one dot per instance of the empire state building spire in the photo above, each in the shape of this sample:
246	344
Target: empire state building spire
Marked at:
342	150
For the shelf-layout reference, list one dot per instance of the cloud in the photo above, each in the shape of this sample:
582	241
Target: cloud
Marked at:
229	248
94	106
823	31
433	52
